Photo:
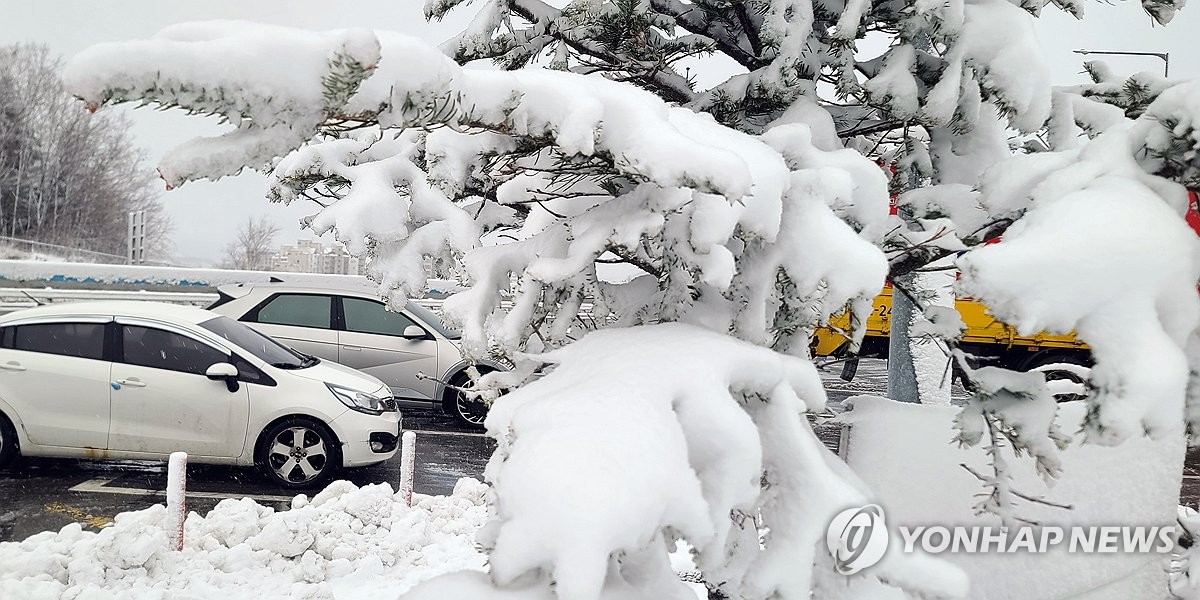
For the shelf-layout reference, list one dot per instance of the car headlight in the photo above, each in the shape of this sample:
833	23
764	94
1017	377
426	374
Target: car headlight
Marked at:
356	400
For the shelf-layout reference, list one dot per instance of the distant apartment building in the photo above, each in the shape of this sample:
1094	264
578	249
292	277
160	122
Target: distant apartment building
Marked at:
308	256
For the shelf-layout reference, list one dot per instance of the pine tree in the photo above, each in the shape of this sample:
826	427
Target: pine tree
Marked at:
529	185
916	106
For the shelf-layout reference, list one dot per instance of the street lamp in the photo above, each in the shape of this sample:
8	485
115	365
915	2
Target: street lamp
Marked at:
1165	56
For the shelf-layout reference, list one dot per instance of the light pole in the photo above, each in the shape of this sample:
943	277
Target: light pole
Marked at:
1165	56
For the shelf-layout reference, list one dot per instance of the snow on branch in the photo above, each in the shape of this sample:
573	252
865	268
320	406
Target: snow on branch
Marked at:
1103	251
272	111
528	185
531	180
719	417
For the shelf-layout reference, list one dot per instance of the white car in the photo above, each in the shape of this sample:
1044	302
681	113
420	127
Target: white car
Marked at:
409	350
140	380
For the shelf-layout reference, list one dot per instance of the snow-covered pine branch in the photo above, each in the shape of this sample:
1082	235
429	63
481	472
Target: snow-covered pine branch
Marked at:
722	421
558	169
1104	251
962	53
272	113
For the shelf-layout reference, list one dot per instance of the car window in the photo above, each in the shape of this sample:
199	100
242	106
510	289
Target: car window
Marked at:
259	345
83	340
368	316
302	310
159	349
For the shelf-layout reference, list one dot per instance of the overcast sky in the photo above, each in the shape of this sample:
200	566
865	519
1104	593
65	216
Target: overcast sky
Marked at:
205	214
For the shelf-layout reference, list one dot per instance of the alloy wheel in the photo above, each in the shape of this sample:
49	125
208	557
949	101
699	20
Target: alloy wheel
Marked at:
298	454
472	410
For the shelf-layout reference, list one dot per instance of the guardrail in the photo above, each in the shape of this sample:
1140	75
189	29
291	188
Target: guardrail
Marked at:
58	252
24	273
18	298
12	299
57	295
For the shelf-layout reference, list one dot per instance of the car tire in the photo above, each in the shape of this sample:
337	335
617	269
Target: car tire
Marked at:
299	453
1060	366
8	441
469	412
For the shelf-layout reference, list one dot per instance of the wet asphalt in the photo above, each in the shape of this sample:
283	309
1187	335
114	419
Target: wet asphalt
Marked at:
46	494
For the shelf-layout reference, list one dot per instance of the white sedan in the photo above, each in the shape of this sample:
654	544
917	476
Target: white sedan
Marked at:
140	380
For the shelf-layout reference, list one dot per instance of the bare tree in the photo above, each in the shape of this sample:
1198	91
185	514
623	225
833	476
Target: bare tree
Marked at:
66	176
252	248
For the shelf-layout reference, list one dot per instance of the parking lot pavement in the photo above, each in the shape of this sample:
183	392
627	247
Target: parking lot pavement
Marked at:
45	494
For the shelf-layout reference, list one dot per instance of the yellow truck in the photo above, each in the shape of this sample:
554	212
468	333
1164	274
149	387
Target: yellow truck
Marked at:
992	341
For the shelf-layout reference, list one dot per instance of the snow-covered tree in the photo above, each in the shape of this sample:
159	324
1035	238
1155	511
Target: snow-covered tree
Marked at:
709	252
530	186
927	86
936	89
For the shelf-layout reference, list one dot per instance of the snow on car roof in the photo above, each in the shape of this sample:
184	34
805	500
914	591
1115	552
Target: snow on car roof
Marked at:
365	287
125	308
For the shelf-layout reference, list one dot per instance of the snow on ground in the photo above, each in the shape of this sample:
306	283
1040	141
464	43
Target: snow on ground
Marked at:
345	543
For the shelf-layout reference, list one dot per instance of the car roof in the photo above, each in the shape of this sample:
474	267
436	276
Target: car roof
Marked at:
239	290
123	308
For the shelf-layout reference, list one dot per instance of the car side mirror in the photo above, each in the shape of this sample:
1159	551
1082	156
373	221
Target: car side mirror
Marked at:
413	332
224	371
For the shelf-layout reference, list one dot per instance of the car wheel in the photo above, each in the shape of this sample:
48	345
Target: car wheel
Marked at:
299	453
8	440
469	411
1065	373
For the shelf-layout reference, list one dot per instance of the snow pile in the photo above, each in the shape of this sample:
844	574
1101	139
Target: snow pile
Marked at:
1101	253
719	417
346	542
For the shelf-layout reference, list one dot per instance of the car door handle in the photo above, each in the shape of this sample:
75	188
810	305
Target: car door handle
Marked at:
12	365
354	348
132	382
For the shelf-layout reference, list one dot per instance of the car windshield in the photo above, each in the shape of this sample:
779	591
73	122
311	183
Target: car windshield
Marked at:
269	350
431	319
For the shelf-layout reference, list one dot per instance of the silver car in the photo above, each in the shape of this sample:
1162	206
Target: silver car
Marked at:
353	327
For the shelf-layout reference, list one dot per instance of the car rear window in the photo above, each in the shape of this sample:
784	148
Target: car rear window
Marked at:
301	310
